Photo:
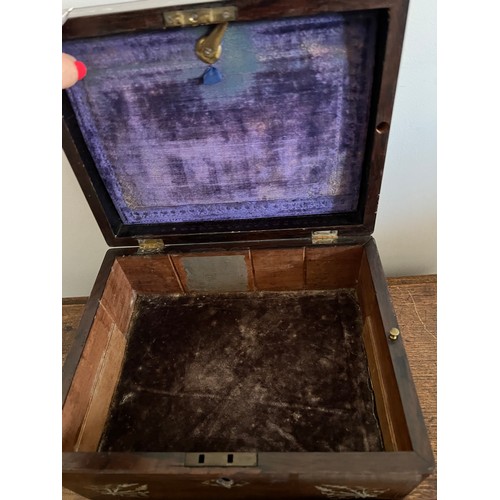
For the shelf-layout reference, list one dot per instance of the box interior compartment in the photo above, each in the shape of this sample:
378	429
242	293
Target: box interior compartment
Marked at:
284	351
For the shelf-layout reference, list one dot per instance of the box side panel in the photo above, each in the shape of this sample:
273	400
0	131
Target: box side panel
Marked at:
104	388
81	391
390	410
405	386
97	372
74	355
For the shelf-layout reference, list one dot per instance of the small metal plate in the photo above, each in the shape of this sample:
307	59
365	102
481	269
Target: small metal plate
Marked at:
197	17
227	273
220	459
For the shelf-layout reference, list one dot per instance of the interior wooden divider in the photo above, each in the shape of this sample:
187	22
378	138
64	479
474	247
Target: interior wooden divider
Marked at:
299	268
389	407
151	273
279	269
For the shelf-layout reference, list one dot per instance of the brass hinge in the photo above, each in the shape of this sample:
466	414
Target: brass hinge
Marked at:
324	237
197	17
150	246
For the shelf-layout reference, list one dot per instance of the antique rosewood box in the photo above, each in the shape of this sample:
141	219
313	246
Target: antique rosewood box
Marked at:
239	341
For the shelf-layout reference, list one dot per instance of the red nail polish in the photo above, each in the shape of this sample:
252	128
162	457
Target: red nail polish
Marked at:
81	68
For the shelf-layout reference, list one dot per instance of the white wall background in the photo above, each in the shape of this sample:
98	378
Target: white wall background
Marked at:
406	226
406	221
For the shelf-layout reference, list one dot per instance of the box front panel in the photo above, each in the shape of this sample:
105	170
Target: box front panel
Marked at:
278	476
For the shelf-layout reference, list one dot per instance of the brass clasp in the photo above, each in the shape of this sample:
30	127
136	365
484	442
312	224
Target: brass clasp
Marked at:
209	48
198	17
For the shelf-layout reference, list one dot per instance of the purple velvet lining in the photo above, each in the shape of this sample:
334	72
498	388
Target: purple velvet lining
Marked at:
283	134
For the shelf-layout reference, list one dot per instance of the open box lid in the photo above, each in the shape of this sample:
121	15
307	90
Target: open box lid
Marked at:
289	145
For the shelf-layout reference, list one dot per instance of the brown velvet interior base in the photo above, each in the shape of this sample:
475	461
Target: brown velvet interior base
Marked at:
244	372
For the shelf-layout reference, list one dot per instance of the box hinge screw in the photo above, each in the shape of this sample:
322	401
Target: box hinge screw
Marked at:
150	246
393	333
324	237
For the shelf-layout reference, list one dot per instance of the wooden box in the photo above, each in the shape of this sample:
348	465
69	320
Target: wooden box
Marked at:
240	341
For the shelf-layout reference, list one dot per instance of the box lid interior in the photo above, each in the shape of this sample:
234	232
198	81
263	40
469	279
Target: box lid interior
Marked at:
283	141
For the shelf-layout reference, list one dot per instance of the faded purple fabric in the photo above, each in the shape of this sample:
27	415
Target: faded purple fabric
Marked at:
283	134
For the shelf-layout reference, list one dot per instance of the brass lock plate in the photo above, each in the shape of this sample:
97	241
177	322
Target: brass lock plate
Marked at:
217	459
198	17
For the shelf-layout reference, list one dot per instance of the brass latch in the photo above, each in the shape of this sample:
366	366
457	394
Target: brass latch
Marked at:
324	237
209	48
198	17
150	246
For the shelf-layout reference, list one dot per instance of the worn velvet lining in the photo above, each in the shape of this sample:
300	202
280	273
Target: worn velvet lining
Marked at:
282	135
244	372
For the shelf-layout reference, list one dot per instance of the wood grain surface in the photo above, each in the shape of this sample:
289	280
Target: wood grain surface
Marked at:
414	300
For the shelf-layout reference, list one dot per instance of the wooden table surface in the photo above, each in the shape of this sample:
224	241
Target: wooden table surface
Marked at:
414	300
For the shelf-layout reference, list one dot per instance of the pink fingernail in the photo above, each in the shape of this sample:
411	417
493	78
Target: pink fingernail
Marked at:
81	68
